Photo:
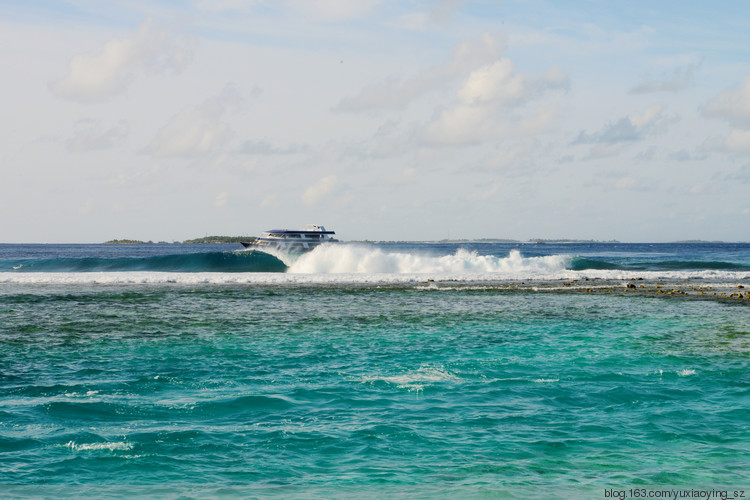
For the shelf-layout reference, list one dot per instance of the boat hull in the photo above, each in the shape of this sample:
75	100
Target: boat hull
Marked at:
285	246
292	241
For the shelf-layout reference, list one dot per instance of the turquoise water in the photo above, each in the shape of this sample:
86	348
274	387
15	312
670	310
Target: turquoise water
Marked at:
377	389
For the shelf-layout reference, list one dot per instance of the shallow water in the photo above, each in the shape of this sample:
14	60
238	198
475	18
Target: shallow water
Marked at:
376	389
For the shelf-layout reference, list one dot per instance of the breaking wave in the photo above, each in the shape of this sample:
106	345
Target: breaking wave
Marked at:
352	263
345	258
366	259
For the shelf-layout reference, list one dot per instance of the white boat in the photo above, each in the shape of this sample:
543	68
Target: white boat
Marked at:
292	240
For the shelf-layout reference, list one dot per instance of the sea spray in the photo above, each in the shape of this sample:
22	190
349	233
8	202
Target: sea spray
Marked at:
353	258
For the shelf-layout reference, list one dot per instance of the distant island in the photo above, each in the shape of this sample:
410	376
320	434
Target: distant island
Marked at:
537	241
220	239
126	242
205	239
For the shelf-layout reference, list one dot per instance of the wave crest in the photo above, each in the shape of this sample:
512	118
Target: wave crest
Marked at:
106	446
357	259
229	262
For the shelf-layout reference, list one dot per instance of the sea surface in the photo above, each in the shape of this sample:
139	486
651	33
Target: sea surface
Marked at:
375	370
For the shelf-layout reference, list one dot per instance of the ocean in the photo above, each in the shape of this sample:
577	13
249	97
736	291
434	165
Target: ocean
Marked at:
375	370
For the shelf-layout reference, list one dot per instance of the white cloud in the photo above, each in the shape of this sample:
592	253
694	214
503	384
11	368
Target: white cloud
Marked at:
440	13
626	183
485	192
742	175
86	207
488	99
539	120
619	182
680	79
555	78
335	10
92	136
604	150
512	157
320	190
221	199
461	125
491	83
269	201
265	148
732	105
227	5
485	101
319	10
402	176
631	128
467	56
684	155
703	188
136	177
93	78
641	121
738	141
196	130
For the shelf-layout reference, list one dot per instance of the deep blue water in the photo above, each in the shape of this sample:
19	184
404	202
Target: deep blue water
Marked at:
329	387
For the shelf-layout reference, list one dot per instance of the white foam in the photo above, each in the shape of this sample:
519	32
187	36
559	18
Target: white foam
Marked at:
365	259
118	446
88	394
424	375
686	372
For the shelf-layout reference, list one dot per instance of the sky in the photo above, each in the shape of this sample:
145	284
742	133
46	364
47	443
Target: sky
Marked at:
380	119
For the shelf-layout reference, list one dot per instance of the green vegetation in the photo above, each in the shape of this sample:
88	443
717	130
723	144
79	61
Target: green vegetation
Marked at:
221	239
205	239
564	240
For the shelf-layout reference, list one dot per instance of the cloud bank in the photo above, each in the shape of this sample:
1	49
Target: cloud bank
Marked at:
196	130
100	77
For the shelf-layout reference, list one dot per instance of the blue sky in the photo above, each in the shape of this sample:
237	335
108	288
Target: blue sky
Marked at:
381	119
